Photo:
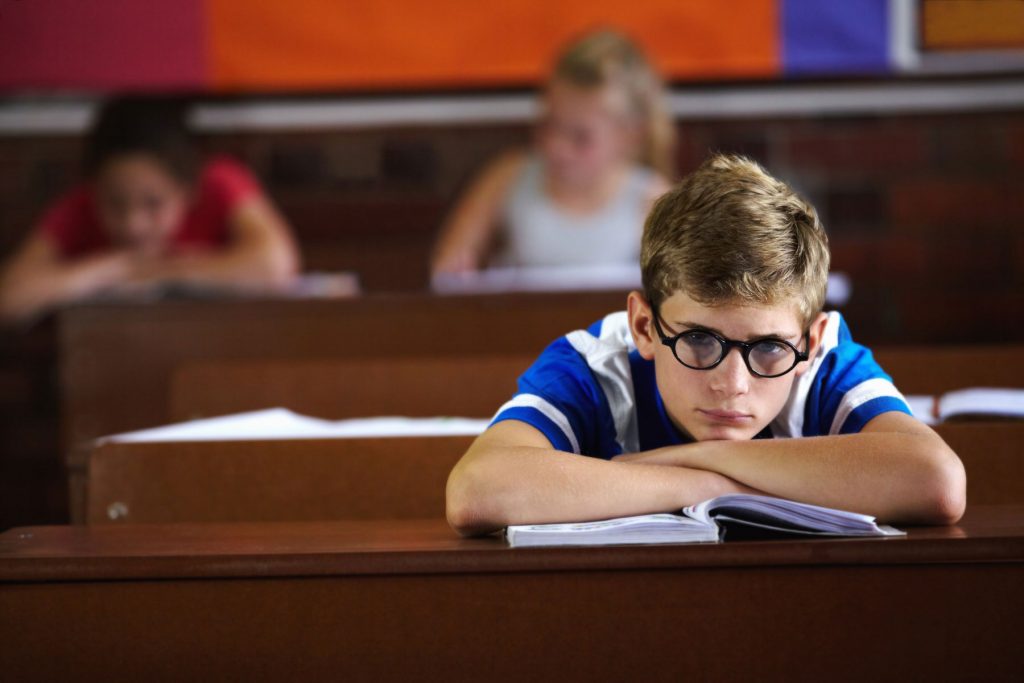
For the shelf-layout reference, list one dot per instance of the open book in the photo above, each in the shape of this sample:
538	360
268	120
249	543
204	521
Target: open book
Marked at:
963	403
706	522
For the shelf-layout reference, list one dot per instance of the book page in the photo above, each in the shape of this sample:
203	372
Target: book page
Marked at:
923	408
982	401
786	515
636	530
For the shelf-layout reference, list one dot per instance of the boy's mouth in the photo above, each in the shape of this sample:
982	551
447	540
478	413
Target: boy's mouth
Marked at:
726	416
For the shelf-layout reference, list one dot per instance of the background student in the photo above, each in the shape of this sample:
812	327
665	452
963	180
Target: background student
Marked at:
149	213
603	153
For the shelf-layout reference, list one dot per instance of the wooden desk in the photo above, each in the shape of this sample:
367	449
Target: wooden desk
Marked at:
423	386
273	481
938	369
383	478
118	360
408	600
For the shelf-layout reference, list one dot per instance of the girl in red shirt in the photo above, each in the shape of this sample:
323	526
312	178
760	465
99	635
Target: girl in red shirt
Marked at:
149	214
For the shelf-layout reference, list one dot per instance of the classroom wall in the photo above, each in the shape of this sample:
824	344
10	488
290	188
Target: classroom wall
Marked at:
237	45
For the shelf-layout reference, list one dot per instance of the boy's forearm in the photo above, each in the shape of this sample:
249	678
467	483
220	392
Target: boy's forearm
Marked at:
522	485
894	476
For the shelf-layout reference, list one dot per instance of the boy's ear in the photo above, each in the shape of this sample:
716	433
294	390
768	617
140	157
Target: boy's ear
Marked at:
641	324
816	331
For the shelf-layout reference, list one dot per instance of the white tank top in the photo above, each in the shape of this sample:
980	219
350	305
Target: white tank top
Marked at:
538	233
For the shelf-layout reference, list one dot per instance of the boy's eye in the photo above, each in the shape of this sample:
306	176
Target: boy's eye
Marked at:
699	340
771	348
698	349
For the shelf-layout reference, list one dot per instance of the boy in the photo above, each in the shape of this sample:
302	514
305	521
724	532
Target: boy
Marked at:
678	399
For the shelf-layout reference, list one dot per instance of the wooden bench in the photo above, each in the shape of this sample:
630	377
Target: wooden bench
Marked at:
118	361
473	386
382	478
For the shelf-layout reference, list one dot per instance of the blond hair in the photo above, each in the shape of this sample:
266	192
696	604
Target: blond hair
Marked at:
609	59
731	233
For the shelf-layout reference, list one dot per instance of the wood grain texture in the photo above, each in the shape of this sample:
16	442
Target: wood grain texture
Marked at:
410	600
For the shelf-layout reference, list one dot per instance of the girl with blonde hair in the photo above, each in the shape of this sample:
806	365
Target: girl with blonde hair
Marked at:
602	154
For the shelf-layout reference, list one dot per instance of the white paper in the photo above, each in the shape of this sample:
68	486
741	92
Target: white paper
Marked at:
637	530
982	401
563	278
281	423
923	408
578	278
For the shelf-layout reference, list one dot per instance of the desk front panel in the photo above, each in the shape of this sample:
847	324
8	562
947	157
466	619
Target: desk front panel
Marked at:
836	623
405	600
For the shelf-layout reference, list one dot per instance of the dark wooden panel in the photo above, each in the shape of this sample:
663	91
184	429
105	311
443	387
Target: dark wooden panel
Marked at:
408	600
938	369
382	478
118	360
239	481
418	387
991	533
993	456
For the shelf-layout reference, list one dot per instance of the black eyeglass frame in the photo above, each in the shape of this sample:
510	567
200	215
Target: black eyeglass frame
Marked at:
728	345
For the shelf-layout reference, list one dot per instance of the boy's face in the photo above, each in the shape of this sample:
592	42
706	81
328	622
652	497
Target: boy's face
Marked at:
727	401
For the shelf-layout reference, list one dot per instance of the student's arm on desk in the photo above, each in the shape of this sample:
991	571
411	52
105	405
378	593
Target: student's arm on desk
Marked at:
896	469
470	228
512	475
261	255
35	278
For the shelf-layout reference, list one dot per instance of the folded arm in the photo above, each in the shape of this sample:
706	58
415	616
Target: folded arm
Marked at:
35	278
512	475
896	469
261	255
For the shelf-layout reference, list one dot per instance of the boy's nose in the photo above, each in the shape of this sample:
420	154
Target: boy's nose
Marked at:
731	376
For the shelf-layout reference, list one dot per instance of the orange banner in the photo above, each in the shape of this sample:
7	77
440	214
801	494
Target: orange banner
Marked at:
326	44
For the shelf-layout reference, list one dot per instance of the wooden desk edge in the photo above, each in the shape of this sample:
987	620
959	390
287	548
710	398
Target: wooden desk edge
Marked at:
491	556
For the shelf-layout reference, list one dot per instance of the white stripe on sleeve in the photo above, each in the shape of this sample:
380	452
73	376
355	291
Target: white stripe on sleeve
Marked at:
859	395
547	410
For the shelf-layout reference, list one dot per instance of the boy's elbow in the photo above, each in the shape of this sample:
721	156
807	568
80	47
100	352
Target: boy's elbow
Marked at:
947	490
468	506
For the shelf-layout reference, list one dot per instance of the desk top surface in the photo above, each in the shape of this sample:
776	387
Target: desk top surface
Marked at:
403	547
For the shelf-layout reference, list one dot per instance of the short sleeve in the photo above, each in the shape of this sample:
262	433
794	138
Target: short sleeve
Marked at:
559	396
850	390
230	182
71	225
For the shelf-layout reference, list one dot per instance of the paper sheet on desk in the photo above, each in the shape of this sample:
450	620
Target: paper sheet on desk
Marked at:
281	423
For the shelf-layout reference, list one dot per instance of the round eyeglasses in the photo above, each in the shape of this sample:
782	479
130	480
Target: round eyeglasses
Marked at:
701	349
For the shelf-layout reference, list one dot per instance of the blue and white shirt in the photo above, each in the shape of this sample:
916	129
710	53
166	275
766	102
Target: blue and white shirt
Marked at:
590	392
